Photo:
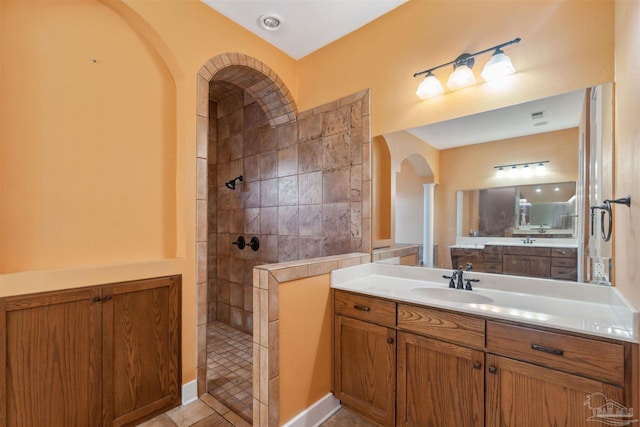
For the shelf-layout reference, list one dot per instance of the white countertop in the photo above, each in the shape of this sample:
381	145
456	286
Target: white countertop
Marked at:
578	307
481	242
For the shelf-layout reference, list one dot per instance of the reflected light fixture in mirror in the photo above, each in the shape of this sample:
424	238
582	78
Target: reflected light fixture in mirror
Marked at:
497	68
514	170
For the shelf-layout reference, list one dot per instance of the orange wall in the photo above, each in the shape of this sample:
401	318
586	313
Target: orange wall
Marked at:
305	344
97	168
472	167
556	55
627	150
381	188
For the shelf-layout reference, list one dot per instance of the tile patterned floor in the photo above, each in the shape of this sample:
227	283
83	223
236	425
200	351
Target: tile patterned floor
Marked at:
230	368
229	377
208	412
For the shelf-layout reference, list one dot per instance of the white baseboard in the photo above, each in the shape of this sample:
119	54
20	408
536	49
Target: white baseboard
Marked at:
189	392
317	413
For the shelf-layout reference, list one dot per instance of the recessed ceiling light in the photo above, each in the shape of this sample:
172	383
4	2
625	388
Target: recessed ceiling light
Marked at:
269	22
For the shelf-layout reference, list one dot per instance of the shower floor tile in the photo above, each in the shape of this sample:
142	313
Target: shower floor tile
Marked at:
230	368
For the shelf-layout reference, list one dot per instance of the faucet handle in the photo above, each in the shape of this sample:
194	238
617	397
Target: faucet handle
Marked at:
468	285
452	279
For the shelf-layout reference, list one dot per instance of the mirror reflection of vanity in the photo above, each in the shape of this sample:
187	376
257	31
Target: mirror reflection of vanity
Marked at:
557	230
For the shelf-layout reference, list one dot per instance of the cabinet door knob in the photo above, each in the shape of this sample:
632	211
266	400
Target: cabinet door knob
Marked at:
361	307
477	365
389	340
492	369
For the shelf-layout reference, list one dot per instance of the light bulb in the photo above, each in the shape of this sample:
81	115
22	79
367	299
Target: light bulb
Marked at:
501	173
499	66
429	87
541	169
526	171
513	172
461	77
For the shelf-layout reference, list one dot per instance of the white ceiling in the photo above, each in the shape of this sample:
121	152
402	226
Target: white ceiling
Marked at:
559	112
306	25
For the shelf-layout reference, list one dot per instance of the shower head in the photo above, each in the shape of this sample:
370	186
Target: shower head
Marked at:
231	185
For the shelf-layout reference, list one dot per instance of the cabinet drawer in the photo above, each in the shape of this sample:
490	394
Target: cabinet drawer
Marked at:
587	357
563	262
524	250
564	252
453	327
365	308
564	273
493	267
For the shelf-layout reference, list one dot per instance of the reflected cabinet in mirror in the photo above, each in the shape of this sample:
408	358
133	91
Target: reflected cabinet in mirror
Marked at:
525	211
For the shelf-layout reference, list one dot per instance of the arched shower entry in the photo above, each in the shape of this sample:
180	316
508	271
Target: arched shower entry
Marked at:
244	112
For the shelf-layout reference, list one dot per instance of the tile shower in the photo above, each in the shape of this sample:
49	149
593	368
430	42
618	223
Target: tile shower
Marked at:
301	195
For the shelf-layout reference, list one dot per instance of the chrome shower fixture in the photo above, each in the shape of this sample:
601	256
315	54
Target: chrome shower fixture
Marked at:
232	183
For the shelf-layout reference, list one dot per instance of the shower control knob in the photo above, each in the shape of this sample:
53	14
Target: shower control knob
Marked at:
254	243
240	242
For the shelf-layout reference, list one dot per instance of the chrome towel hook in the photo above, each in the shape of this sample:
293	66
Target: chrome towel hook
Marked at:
606	212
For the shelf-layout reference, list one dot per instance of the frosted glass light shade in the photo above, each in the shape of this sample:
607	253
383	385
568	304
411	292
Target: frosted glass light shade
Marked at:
498	67
429	87
541	169
461	77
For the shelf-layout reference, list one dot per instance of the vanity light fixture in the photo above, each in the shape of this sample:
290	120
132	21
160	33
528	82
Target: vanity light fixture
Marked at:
514	169
498	67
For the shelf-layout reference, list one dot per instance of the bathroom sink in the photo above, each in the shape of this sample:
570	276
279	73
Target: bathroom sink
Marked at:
452	295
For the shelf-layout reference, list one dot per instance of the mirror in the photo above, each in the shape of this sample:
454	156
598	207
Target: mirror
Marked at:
462	154
541	211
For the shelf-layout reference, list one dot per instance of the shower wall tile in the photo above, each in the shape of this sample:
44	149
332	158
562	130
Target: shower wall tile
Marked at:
336	151
236	224
251	193
288	221
236	146
336	121
288	191
309	128
251	168
310	220
310	188
269	164
236	122
311	247
336	185
268	138
310	155
236	274
287	135
236	297
253	116
224	155
287	248
269	192
222	175
269	220
251	223
355	145
235	170
288	160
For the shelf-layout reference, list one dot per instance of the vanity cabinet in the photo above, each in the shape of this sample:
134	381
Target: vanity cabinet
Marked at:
560	379
440	383
526	261
96	356
456	369
529	261
365	355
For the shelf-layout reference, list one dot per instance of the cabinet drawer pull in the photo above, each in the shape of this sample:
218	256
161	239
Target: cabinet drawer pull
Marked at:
549	350
492	369
389	340
361	307
107	298
477	365
95	299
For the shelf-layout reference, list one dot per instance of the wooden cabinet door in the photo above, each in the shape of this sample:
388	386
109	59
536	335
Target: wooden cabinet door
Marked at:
439	384
525	395
525	265
141	340
365	368
50	353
